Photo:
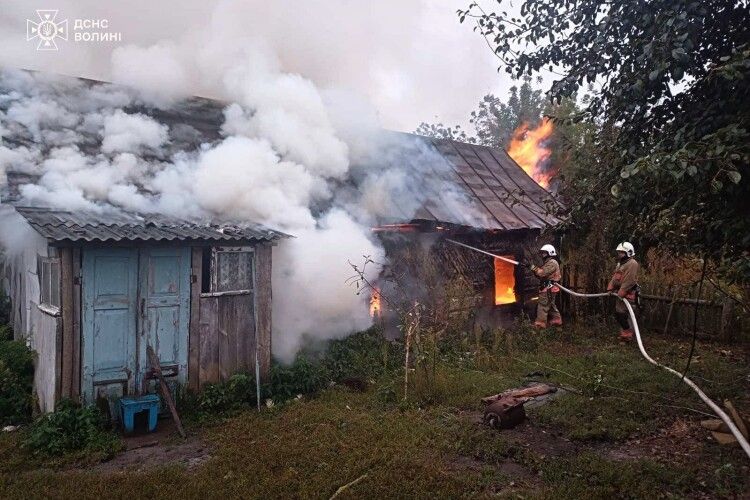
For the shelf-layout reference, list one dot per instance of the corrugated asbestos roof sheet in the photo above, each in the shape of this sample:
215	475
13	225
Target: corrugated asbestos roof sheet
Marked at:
60	225
498	188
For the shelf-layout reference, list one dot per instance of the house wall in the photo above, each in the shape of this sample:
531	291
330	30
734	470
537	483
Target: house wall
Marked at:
38	328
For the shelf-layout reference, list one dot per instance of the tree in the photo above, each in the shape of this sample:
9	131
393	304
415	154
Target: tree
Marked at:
671	91
494	120
440	131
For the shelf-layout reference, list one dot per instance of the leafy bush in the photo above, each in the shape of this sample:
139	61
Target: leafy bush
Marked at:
301	377
363	355
4	314
237	392
71	428
16	379
6	333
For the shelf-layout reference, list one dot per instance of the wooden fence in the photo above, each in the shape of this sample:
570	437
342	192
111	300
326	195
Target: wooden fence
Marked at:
669	308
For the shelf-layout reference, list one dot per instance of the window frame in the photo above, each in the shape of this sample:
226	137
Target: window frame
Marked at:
45	274
214	271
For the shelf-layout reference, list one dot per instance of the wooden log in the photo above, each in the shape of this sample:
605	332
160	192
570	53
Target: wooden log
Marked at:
522	392
156	370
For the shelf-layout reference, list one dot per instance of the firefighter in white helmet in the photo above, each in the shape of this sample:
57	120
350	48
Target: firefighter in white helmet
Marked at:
549	274
624	283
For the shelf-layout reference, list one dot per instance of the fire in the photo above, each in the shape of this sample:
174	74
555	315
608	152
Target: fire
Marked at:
505	281
375	303
527	149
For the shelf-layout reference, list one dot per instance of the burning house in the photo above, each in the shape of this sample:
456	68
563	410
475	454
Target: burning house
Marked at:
501	207
127	225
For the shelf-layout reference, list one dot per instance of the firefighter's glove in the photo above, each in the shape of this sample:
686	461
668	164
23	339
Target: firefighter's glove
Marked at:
621	293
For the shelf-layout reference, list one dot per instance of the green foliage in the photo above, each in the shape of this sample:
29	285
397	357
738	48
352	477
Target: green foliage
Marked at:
301	377
4	311
439	450
236	393
494	120
16	379
71	428
364	356
440	131
669	92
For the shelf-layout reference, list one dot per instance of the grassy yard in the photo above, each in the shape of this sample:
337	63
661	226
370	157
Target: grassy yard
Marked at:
621	429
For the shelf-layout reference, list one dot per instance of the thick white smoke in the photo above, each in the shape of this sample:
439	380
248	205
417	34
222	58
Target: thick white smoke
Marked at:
278	159
285	159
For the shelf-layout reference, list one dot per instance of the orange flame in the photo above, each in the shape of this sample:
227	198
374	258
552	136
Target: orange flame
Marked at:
375	303
526	148
505	281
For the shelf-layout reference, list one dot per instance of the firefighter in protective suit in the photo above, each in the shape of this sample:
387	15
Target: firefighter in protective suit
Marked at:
549	274
624	283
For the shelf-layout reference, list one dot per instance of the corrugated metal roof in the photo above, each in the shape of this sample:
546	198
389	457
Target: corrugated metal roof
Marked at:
61	225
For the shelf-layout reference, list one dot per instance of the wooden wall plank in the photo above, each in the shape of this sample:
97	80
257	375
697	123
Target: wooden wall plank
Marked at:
75	390
246	334
226	335
263	299
209	347
194	335
66	365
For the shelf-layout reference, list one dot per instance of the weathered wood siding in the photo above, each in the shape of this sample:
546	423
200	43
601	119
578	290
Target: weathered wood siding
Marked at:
223	327
47	333
263	305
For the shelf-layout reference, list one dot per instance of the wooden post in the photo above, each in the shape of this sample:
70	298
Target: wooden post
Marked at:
727	310
194	335
66	300
669	313
75	390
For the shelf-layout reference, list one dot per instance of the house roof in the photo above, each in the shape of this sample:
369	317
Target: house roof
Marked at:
501	194
495	192
62	225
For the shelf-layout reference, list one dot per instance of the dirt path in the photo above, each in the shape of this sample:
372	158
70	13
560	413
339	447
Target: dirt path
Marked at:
160	448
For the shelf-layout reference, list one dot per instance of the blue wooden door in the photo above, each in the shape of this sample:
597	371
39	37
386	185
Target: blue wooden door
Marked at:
109	323
165	305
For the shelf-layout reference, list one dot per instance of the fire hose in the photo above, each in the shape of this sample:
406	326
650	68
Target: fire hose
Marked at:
719	412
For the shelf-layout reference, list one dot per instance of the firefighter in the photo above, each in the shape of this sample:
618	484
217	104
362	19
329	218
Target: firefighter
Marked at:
549	274
624	283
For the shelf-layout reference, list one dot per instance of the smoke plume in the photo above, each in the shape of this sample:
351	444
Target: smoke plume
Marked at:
310	161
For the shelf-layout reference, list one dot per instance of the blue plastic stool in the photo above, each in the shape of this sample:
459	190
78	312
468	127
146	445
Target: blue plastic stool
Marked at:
131	405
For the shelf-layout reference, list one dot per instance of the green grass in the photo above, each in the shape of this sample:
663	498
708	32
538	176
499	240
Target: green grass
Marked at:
429	445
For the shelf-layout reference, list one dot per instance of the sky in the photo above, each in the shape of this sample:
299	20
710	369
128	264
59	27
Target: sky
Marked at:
411	61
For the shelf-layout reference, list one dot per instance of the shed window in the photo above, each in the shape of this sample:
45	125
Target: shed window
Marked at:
231	270
49	282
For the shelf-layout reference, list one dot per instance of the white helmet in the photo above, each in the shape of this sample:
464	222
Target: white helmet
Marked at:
626	247
549	249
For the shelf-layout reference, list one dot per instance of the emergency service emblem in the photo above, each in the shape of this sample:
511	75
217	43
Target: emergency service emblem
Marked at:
46	30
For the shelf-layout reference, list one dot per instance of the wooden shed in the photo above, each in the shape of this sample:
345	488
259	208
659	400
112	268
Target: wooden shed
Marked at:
499	208
90	291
